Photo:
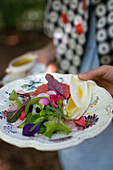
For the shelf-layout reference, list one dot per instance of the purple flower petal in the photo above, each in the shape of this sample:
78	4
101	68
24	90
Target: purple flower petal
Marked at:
27	127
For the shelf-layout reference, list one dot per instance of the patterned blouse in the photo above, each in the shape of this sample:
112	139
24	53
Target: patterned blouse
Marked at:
66	21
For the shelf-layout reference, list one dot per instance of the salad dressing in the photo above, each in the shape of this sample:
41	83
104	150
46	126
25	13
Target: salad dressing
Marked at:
22	62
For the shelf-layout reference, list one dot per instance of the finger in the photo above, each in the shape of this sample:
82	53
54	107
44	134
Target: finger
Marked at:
93	74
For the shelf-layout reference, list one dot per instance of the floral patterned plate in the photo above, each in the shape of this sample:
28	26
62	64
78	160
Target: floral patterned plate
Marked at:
99	113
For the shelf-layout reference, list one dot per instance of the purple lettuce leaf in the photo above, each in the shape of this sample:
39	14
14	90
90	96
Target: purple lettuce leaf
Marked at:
53	84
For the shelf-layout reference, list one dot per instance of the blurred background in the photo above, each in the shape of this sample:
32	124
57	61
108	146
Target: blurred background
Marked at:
21	30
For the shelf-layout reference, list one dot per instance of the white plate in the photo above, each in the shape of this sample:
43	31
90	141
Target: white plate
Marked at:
101	106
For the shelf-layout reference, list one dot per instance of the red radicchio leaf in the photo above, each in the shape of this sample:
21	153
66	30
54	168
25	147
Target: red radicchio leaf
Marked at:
54	98
53	84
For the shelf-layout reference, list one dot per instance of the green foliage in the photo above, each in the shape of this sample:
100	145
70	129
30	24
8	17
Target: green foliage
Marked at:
22	14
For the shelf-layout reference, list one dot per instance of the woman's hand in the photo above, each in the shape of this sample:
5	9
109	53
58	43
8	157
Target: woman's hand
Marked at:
103	76
47	55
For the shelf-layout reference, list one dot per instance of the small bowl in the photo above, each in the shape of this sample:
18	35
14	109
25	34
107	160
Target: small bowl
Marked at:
22	64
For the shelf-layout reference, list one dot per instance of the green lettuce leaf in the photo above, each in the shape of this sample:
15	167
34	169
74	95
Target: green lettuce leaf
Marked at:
30	118
52	126
15	117
14	97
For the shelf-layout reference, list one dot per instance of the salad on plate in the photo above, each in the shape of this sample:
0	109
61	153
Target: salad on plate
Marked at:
52	108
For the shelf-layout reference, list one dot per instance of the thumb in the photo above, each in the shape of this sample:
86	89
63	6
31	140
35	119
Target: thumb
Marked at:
84	76
93	74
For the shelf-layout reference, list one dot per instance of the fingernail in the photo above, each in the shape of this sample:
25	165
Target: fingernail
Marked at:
82	74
